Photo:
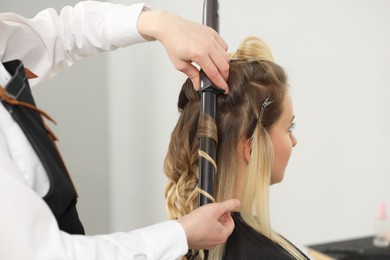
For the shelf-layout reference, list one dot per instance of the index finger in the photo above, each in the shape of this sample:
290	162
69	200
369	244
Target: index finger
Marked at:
212	72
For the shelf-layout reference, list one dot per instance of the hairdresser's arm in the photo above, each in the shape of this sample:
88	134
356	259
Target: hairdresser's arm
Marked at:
30	231
50	42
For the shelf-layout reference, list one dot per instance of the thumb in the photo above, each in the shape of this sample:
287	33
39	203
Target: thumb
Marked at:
230	205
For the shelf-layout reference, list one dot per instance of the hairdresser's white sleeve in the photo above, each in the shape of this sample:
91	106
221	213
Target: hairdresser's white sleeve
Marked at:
50	42
28	230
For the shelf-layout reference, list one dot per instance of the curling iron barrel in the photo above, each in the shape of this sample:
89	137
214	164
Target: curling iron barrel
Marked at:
209	94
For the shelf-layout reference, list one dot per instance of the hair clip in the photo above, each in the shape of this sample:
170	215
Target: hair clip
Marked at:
236	59
265	104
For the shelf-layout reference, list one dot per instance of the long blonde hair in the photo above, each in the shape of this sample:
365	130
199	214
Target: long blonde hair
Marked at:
253	76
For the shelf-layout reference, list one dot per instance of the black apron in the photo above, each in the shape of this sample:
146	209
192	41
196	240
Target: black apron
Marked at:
62	196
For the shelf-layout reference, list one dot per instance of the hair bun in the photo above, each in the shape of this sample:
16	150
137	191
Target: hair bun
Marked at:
253	48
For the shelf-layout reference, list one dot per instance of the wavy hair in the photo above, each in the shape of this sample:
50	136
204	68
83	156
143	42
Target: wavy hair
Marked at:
253	76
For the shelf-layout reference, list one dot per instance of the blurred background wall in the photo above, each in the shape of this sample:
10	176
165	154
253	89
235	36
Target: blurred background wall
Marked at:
116	112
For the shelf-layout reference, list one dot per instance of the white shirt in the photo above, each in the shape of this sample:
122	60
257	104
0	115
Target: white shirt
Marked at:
46	44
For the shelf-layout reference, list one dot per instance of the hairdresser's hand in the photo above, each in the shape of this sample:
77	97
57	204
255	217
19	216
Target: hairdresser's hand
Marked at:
209	225
187	42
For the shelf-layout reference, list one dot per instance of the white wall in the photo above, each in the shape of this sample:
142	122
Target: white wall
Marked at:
338	58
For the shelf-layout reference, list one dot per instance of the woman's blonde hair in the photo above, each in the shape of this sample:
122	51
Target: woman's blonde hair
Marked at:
253	77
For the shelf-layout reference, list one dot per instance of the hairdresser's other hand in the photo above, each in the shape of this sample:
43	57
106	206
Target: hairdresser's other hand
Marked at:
187	42
209	225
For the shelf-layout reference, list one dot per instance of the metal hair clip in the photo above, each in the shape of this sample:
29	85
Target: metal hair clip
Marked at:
265	104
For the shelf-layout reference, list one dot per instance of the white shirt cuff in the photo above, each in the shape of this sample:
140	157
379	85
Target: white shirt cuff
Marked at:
167	240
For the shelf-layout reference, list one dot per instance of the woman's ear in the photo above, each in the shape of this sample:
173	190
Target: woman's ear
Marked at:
247	150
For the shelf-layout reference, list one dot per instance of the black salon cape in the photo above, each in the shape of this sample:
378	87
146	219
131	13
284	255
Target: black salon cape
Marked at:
247	244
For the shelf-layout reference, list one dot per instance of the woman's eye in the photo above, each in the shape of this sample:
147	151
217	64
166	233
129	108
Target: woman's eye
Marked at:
292	126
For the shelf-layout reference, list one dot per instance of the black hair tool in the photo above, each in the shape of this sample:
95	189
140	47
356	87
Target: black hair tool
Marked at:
209	94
